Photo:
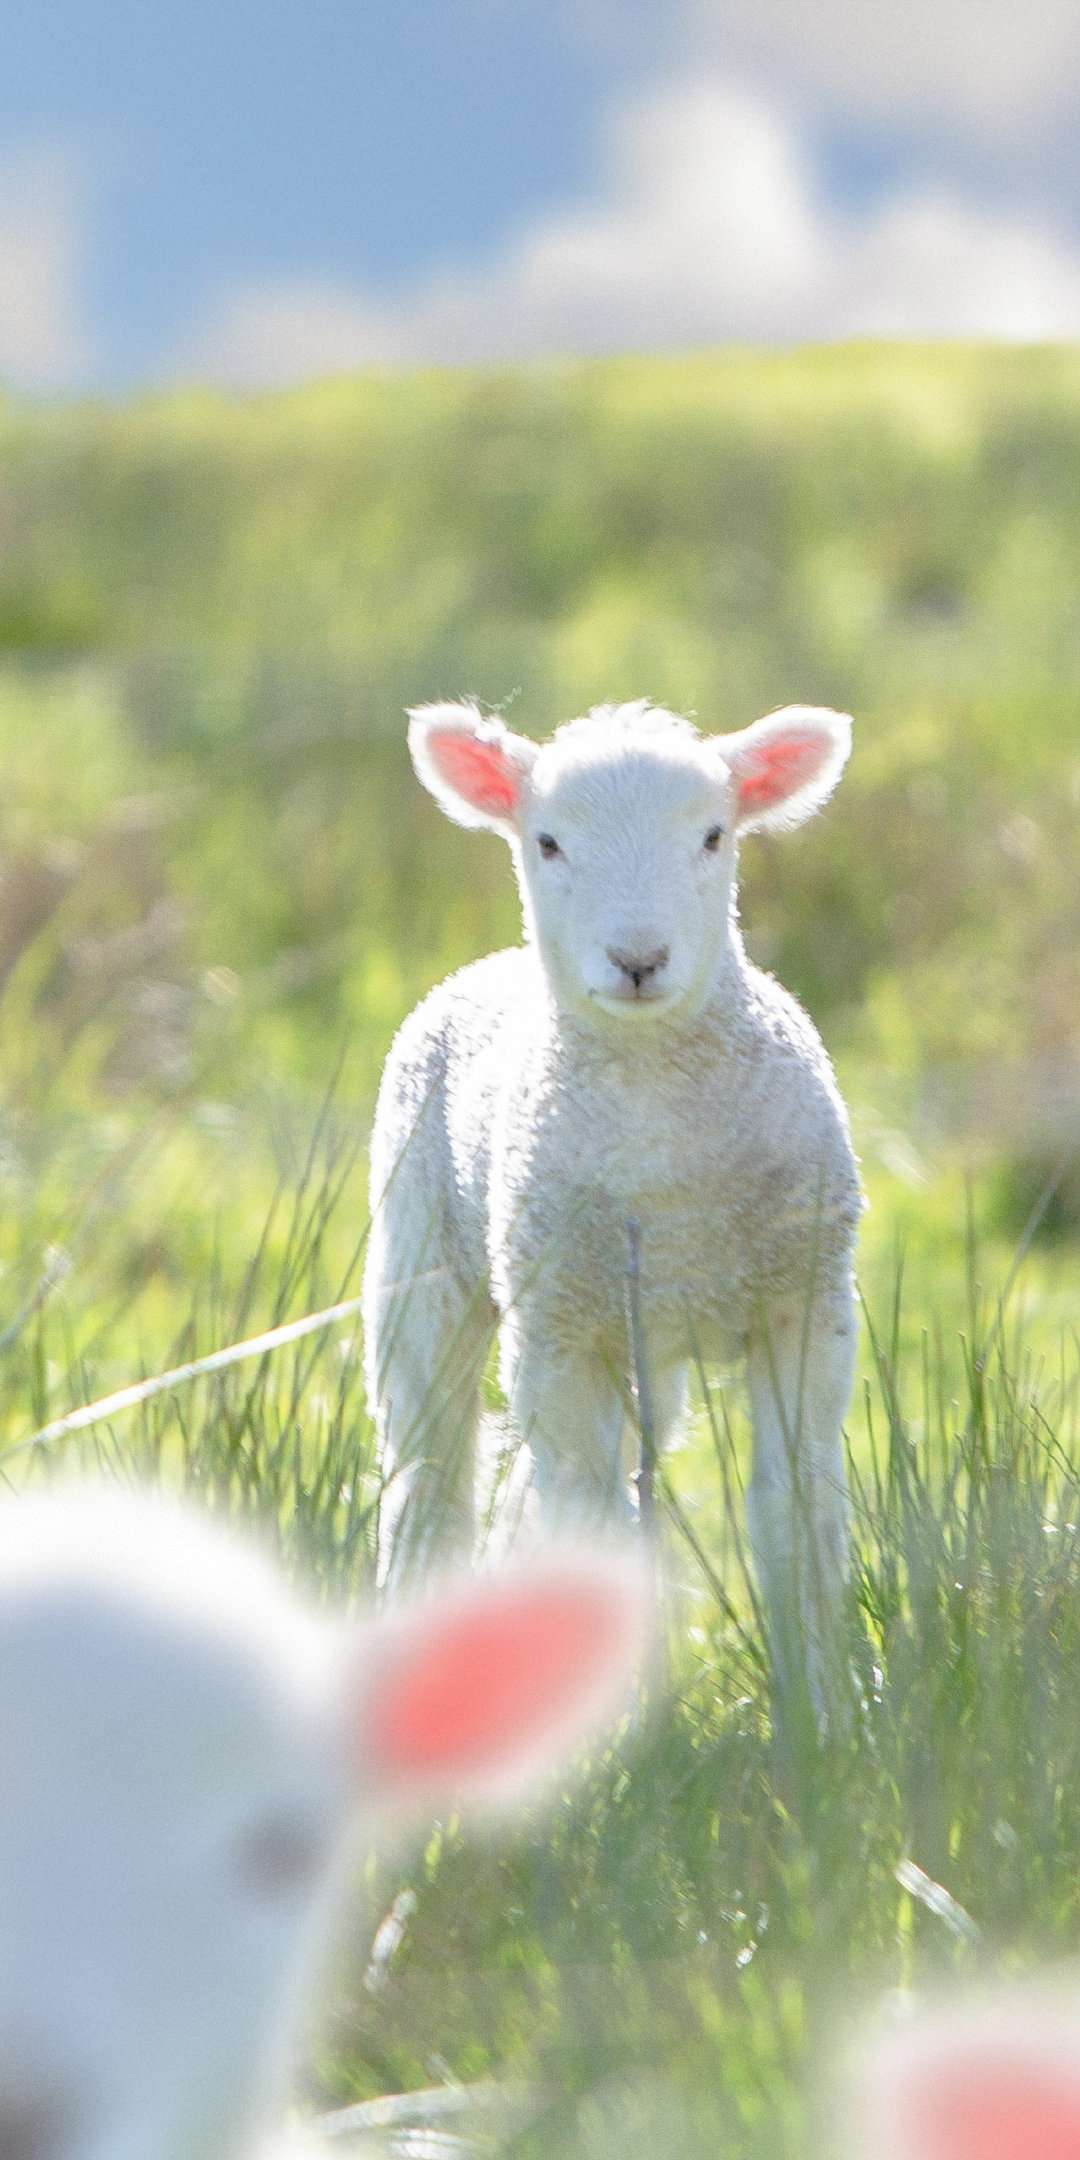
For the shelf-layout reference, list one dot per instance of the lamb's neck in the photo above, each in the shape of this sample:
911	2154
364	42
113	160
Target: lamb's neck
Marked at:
729	991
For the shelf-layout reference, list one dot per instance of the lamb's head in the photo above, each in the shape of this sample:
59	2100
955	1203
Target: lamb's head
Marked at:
185	1752
624	829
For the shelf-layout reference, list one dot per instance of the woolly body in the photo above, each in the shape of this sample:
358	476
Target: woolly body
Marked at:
626	1064
725	1139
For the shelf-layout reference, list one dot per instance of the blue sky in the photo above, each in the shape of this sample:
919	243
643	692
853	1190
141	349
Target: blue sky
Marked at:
257	194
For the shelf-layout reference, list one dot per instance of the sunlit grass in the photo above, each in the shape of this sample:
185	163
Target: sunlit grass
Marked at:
663	1955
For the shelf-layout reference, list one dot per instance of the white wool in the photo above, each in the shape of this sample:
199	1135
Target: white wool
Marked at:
626	1063
185	1751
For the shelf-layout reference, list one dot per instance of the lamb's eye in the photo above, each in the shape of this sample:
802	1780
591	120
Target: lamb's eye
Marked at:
548	845
279	1854
712	839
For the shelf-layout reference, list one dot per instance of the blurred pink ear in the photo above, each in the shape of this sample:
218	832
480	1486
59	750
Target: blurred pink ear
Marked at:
490	1682
994	2077
979	2110
784	767
475	768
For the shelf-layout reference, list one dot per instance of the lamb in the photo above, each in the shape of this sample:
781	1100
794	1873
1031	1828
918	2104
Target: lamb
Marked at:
186	1749
625	1064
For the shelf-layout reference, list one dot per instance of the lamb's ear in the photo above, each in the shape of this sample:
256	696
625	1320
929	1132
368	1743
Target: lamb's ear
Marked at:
784	767
980	2110
486	1686
1000	2083
475	768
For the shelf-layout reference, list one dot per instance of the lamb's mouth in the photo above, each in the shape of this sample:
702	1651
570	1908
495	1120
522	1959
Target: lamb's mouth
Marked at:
650	999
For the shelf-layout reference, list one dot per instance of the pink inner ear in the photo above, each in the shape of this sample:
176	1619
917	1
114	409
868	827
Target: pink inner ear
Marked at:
482	1688
480	772
997	2112
777	768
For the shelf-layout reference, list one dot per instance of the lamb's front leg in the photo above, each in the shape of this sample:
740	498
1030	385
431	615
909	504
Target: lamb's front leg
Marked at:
428	1343
570	1410
800	1368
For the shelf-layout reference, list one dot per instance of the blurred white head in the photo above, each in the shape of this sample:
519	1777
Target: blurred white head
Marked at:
186	1752
623	830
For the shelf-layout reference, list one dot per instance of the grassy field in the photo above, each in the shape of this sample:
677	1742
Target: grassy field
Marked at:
220	889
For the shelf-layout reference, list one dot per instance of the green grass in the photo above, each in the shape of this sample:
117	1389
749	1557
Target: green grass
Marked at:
220	889
665	1953
670	1956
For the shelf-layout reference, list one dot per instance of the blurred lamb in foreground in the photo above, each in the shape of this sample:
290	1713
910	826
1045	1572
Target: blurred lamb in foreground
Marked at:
187	1751
626	1064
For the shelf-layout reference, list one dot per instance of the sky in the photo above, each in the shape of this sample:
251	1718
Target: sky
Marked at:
255	195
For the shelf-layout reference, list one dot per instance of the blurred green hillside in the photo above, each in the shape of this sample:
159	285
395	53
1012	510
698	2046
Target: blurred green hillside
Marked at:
216	870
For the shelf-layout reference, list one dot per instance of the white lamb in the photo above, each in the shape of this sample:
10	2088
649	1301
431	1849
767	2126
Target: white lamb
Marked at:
185	1749
627	1063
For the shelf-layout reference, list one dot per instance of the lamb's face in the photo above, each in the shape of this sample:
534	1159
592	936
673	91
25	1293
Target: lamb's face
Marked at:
171	1812
624	831
626	859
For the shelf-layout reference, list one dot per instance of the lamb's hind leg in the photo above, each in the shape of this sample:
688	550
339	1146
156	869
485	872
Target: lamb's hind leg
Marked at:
800	1369
585	1440
428	1339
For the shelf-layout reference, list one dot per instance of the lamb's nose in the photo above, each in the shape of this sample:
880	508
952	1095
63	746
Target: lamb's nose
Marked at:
639	965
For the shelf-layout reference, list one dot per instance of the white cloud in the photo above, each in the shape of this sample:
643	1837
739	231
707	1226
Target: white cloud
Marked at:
294	328
930	265
709	226
989	67
706	220
43	339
